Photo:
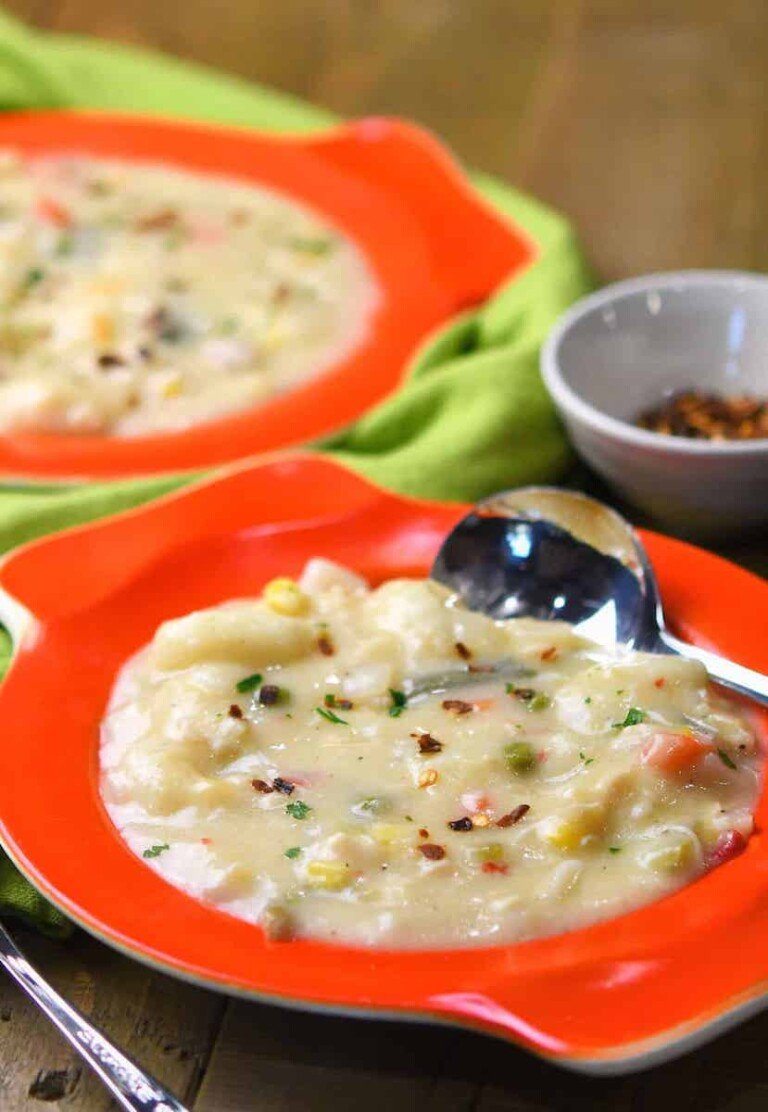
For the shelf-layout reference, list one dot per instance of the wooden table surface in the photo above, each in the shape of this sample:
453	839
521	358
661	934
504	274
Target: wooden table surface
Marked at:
644	120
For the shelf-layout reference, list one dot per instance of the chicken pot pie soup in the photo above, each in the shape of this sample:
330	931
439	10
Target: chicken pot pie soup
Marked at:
137	298
384	767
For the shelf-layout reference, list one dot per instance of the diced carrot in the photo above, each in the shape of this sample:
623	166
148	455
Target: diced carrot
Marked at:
659	682
671	752
48	209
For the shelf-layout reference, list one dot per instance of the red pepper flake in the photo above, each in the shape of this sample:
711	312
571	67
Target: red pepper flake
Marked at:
206	841
423	833
431	851
235	711
427	743
457	706
487	668
703	416
108	359
494	867
659	682
462	825
730	844
160	221
524	694
332	701
262	786
284	786
325	645
550	653
514	815
462	650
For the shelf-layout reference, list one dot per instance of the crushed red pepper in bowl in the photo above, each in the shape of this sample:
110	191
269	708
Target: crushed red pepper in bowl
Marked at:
701	416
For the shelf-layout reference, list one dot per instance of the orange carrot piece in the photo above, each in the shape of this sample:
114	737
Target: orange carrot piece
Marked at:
48	209
670	752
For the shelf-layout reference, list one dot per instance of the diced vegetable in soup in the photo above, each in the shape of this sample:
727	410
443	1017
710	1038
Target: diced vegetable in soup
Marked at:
136	298
384	767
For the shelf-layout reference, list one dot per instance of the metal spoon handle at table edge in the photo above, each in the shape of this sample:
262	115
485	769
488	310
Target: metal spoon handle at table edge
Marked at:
131	1087
734	676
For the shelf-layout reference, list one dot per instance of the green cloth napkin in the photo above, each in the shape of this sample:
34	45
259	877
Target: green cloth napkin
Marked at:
472	416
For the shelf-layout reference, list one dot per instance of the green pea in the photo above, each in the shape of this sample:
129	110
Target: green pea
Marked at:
519	757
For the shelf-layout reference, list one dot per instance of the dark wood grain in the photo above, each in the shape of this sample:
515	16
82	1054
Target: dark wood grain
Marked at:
165	1024
644	120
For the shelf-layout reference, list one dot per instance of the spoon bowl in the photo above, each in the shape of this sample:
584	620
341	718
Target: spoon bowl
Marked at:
540	552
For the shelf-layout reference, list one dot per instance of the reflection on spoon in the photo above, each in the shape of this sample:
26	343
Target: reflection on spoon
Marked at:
540	552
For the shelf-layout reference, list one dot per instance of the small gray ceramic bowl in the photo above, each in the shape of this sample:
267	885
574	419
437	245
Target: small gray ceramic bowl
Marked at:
619	351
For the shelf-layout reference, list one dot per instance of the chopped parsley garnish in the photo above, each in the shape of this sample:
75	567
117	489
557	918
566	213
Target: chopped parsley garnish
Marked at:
293	852
634	717
726	759
399	701
297	810
312	245
155	851
588	700
587	760
249	683
330	716
33	276
614	849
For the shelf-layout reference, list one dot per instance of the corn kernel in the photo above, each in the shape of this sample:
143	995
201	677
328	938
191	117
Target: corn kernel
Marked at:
331	875
103	329
275	336
284	596
172	387
389	833
427	778
570	833
481	821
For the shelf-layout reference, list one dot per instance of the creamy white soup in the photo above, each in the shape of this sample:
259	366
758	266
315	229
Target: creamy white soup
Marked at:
137	298
384	767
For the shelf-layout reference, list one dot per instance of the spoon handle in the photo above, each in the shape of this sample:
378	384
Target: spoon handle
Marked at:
132	1088
735	676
